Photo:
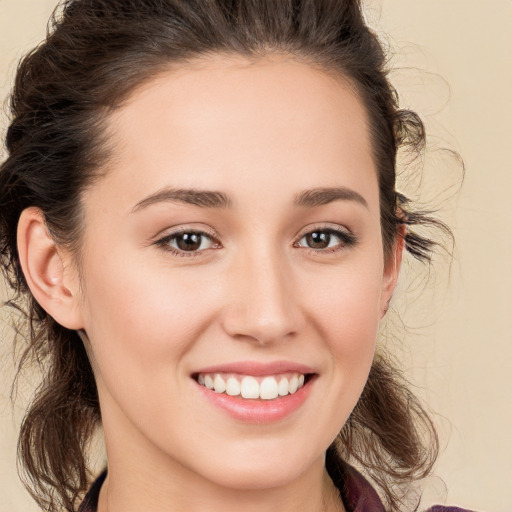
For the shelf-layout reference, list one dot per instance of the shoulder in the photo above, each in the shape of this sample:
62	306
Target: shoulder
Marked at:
358	494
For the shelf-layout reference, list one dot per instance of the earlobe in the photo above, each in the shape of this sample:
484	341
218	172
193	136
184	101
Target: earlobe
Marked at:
392	269
48	275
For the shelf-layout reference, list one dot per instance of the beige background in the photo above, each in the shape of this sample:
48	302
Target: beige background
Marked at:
459	347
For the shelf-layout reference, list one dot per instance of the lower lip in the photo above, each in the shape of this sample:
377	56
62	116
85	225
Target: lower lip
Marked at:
258	410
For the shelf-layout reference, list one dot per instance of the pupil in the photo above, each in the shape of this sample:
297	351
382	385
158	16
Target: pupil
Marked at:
318	240
189	241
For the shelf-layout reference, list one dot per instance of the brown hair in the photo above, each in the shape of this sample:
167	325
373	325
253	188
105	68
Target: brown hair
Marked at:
95	54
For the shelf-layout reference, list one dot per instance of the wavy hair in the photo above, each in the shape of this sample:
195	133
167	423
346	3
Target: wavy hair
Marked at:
95	54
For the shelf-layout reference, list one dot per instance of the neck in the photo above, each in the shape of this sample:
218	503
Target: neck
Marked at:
118	495
135	482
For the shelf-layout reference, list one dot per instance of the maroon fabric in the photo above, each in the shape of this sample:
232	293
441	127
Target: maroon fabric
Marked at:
90	503
356	492
359	496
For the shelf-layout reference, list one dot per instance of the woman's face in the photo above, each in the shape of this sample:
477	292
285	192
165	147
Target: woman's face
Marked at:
235	237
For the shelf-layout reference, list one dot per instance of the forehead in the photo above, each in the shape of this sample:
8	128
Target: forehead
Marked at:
218	120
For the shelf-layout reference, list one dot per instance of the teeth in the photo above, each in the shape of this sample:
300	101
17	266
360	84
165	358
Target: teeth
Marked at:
282	387
250	388
218	384
269	388
208	381
293	384
233	387
266	388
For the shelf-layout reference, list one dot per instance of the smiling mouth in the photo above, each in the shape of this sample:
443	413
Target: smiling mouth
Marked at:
252	387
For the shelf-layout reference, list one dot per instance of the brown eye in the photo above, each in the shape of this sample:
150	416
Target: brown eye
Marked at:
189	241
332	239
318	239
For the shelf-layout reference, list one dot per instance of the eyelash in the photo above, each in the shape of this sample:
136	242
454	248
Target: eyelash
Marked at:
347	239
164	242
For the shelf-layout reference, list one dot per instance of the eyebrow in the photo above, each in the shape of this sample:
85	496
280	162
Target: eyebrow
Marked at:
214	199
201	198
321	196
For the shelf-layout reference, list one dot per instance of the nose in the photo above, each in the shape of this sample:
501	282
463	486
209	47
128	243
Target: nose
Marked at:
263	304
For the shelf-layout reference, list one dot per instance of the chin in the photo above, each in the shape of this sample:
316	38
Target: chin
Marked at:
254	479
264	471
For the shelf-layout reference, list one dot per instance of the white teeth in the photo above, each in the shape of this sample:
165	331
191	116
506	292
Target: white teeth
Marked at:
218	384
283	386
250	388
266	388
208	381
293	384
233	387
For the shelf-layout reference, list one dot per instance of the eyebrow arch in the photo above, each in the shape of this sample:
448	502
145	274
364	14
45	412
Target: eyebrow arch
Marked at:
213	199
321	196
201	198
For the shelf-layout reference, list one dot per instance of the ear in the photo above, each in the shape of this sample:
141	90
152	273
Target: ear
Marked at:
392	269
48	270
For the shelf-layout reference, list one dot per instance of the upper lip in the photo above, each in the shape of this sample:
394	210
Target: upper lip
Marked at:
257	368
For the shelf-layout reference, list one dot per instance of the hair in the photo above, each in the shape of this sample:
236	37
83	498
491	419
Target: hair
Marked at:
95	54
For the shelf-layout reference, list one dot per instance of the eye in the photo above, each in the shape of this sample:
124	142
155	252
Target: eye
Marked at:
327	238
187	242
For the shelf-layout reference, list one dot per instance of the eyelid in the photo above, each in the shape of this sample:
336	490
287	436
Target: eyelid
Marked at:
336	228
173	231
346	236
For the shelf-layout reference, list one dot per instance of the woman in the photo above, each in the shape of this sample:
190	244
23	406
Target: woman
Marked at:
199	205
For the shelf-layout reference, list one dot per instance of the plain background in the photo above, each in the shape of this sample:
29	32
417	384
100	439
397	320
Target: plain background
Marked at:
453	61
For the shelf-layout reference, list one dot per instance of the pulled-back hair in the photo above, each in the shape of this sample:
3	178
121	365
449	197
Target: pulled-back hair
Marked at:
95	54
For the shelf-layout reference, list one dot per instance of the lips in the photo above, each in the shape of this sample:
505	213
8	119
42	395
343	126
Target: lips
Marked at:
256	369
254	391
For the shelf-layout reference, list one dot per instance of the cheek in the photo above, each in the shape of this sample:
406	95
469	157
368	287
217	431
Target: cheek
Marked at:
347	306
347	318
142	321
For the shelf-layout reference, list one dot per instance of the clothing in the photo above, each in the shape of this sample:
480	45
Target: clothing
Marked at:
356	492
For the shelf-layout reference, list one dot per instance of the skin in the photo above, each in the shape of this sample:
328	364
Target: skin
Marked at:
261	133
